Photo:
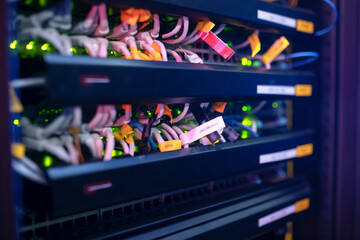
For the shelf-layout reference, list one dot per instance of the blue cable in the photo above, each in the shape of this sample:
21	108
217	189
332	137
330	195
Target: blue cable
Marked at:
312	57
136	124
246	128
302	54
303	62
328	28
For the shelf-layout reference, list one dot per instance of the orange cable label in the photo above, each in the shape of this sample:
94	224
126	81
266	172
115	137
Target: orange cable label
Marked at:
304	150
302	205
254	44
219	106
304	26
205	26
170	145
278	46
18	150
303	90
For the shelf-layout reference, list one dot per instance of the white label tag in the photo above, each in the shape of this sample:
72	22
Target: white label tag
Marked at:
276	215
278	156
276	90
276	18
202	130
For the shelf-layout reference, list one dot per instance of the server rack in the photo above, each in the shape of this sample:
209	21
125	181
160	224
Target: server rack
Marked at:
57	64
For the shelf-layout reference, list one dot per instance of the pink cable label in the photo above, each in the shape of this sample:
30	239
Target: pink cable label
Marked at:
202	130
217	44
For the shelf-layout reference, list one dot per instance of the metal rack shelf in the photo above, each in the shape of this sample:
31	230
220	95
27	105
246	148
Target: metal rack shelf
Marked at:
85	80
254	13
98	184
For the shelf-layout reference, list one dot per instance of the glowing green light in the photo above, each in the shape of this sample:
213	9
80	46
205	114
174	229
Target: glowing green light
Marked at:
245	134
229	44
249	108
16	122
274	104
176	36
178	111
136	149
47	161
159	131
28	2
116	153
30	45
169	18
101	138
72	49
185	131
249	62
45	47
42	3
244	61
46	120
149	113
256	63
247	122
13	44
244	108
110	11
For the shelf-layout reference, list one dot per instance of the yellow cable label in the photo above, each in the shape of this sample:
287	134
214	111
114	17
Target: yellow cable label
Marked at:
170	145
254	44
18	150
304	150
304	26
278	46
303	90
302	205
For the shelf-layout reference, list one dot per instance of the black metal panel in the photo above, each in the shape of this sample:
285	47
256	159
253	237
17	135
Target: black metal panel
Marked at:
7	221
141	176
235	218
235	12
130	81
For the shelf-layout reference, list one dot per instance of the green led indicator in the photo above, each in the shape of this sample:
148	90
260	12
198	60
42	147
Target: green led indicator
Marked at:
245	134
244	61
229	44
116	153
159	131
249	62
30	45
16	122
110	11
178	111
47	161
249	108
244	108
256	64
46	120
13	44
28	2
45	47
247	122
275	104
42	3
